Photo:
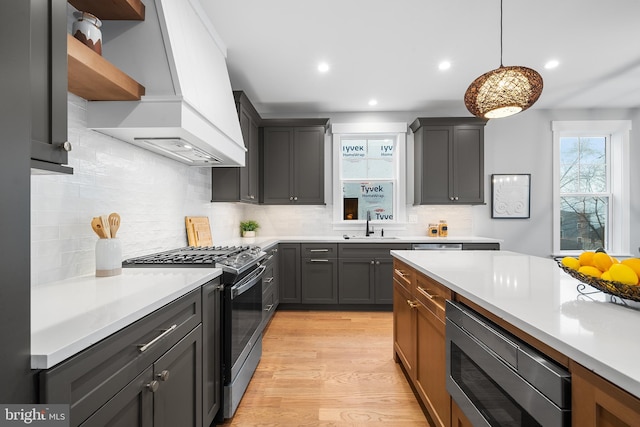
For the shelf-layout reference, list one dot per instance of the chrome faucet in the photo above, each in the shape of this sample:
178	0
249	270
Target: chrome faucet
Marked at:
369	230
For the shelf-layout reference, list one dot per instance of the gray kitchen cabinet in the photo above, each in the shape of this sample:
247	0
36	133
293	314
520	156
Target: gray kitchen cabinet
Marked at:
163	395
16	377
241	184
292	159
449	160
489	246
211	351
366	272
289	273
114	381
48	73
270	286
319	273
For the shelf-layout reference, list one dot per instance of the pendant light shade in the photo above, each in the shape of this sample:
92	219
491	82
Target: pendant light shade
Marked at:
504	91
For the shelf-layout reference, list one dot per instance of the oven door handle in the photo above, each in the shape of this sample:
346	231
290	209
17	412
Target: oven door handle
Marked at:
246	283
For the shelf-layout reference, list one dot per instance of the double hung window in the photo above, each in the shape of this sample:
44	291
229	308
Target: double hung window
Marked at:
591	186
367	174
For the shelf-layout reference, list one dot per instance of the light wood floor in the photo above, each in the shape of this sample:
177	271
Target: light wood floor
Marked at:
327	368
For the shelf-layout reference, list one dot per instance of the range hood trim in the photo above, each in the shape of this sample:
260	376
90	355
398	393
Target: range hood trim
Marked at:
164	117
163	44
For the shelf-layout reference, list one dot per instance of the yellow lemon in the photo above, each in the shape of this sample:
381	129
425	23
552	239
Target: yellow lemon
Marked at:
606	276
590	270
615	260
602	261
634	263
586	258
623	274
571	262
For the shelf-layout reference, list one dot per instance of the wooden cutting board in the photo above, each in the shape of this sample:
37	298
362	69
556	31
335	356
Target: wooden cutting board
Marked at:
198	231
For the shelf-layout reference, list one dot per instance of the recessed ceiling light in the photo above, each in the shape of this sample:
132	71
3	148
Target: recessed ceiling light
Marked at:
323	67
444	65
551	64
373	102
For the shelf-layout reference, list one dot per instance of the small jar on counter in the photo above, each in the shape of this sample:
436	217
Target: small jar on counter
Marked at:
443	229
432	230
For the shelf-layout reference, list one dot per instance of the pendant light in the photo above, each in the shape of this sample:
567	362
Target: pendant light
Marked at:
504	91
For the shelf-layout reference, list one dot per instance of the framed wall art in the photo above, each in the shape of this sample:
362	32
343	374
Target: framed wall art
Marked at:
510	196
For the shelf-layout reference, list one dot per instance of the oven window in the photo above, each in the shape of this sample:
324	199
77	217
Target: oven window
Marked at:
489	399
246	316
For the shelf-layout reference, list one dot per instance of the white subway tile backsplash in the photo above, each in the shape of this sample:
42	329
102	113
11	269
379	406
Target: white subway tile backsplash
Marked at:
153	194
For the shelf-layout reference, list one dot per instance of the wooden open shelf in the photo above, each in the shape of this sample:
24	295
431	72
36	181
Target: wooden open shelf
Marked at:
112	9
95	79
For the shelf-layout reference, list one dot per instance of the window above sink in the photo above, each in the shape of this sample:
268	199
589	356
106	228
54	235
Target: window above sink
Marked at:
369	174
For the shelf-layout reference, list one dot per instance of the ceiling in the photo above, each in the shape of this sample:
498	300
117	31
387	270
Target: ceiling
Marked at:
389	50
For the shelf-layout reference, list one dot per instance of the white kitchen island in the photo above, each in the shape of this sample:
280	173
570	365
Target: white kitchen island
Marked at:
536	296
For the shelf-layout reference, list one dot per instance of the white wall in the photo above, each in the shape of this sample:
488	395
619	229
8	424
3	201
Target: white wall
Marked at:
523	144
154	194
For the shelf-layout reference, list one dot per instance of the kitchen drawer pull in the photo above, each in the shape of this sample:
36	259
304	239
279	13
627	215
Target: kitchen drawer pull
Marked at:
318	250
319	260
424	292
412	304
269	279
269	307
144	347
399	272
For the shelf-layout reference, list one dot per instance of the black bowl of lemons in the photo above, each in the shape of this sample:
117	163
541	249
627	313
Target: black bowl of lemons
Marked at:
605	273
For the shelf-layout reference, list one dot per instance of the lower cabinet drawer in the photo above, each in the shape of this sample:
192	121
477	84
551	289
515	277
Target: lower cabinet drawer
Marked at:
269	304
89	379
432	295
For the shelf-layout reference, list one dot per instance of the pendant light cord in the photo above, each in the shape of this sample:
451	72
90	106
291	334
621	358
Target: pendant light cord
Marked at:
501	34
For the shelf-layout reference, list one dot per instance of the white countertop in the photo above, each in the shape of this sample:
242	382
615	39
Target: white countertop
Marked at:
535	295
265	241
71	315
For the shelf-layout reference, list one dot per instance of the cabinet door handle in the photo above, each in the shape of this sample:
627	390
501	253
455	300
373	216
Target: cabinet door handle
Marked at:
319	260
399	272
318	250
144	347
163	376
153	386
269	279
456	198
291	198
424	292
295	198
412	304
372	262
269	307
451	198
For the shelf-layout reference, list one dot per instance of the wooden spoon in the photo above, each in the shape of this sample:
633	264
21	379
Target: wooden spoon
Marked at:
105	226
114	223
96	224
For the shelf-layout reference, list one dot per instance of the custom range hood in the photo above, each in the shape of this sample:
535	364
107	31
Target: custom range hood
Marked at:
188	113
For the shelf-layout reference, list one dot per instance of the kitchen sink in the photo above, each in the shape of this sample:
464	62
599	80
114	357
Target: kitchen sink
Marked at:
347	237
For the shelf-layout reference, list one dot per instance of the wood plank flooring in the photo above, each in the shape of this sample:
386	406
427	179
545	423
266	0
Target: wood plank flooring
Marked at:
327	368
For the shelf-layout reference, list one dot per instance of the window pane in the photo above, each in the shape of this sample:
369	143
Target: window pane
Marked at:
373	196
368	171
583	165
583	222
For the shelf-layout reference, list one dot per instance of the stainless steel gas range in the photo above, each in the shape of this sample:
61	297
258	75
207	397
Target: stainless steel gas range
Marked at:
242	270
